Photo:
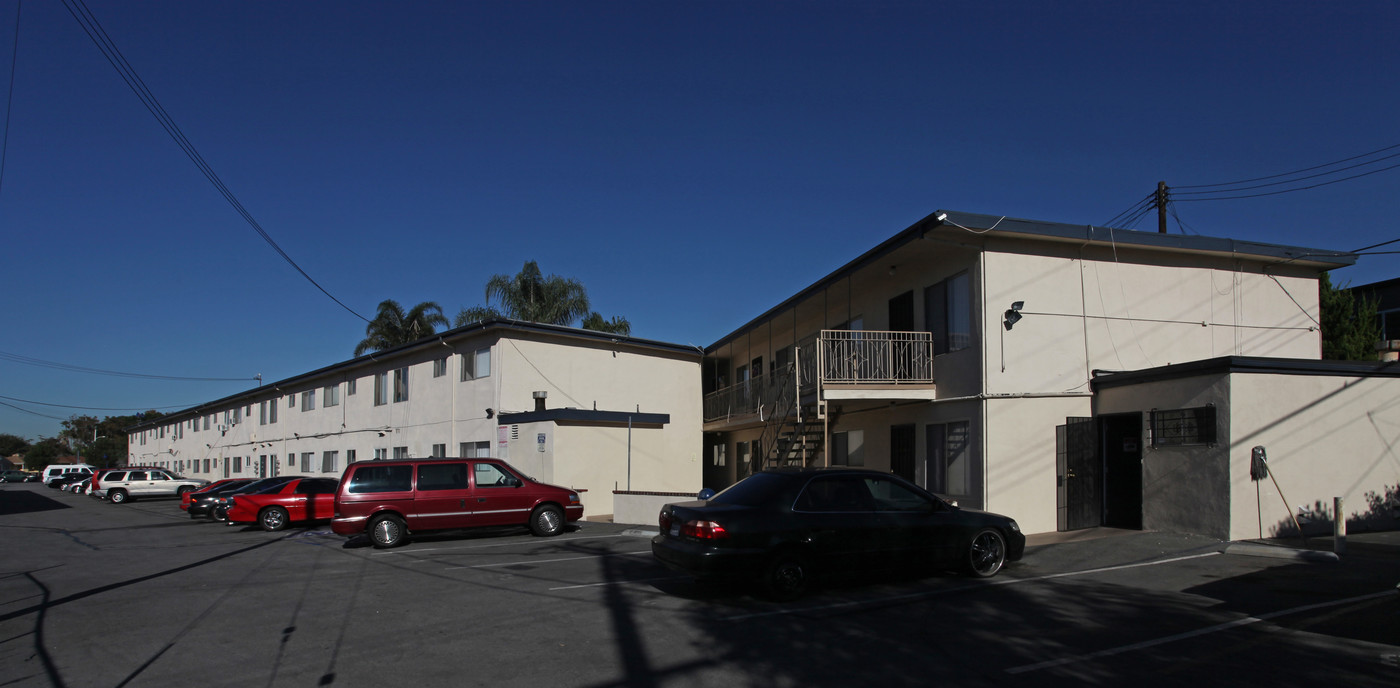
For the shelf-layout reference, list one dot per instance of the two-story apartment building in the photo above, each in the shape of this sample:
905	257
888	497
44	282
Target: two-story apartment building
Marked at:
952	352
582	409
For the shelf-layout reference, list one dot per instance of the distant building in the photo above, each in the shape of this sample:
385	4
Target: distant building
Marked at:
1387	296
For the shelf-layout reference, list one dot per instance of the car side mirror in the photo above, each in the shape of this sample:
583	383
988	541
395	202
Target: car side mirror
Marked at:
514	482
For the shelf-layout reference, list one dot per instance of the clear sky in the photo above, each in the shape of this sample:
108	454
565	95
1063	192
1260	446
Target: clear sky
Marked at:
692	163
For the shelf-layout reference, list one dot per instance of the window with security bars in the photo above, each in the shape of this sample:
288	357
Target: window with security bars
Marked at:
1183	427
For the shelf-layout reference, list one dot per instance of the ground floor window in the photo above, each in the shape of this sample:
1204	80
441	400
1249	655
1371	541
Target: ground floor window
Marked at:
475	450
848	448
949	460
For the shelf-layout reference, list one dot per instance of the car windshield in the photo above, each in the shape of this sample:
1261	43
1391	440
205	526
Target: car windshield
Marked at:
755	490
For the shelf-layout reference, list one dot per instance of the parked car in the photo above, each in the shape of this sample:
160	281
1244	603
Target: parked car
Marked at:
55	471
218	509
786	527
18	477
273	508
122	485
77	486
61	481
198	503
390	500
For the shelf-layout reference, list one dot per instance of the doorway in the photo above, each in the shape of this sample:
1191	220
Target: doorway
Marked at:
1078	495
1120	443
902	451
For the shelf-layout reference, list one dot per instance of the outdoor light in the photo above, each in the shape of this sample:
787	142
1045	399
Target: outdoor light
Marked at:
1013	314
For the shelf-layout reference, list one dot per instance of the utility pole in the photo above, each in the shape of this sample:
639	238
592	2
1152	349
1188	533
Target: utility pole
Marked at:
1161	203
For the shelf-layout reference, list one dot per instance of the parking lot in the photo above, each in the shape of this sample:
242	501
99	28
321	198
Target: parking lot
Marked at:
95	594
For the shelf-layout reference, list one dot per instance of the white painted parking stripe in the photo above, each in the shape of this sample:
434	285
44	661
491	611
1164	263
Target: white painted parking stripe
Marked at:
1192	634
528	562
626	582
416	550
962	588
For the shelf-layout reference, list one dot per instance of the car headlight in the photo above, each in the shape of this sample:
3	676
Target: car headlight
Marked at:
1015	528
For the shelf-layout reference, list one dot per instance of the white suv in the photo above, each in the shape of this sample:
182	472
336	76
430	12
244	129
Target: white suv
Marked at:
121	485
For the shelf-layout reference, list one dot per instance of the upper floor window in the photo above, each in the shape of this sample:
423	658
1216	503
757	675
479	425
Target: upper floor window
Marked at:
381	389
350	387
476	364
440	367
948	313
330	396
308	401
400	385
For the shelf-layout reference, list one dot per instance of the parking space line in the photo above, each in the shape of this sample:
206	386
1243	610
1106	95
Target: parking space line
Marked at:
494	544
528	562
624	582
961	588
1192	634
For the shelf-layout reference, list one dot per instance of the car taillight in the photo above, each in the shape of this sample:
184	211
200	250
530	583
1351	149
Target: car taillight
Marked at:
665	520
704	530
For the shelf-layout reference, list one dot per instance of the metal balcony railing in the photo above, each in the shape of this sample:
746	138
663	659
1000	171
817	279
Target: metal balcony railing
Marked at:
836	357
872	357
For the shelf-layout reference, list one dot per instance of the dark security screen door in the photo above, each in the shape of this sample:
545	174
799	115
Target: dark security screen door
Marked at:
902	451
1078	500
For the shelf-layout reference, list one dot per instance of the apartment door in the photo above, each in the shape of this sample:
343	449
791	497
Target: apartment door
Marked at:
1120	442
262	466
1078	496
902	451
902	312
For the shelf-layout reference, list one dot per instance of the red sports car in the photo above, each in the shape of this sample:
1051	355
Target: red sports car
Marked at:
302	499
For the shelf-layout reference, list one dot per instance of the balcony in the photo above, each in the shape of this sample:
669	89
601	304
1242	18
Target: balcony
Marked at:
838	364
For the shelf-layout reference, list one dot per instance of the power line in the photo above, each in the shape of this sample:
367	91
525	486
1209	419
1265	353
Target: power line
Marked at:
1284	191
1286	174
114	56
9	101
94	408
1290	181
1367	248
32	413
39	362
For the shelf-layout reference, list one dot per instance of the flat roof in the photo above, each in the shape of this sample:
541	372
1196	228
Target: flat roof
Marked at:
1057	231
1104	379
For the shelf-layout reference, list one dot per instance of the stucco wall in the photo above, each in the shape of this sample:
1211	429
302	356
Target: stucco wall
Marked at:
1020	442
1184	489
1325	436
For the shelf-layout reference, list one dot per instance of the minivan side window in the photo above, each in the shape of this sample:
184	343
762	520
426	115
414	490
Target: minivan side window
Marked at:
442	476
491	475
370	479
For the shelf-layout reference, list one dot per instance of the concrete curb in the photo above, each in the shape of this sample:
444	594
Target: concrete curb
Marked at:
640	532
1251	549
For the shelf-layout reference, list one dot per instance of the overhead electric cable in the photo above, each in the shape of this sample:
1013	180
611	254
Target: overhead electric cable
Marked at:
1136	206
96	408
10	98
1367	248
39	362
32	413
1285	174
1290	181
114	56
1284	191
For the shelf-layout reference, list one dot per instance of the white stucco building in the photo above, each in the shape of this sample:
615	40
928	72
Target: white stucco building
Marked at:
581	409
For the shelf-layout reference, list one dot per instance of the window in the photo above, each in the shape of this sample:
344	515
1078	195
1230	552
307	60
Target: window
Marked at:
262	412
948	313
272	412
349	456
400	385
440	367
949	461
475	450
328	460
206	422
237	464
401	452
745	453
306	461
491	475
476	365
381	389
848	448
291	401
1183	427
330	396
717	457
237	415
439	451
350	387
381	454
206	465
369	479
447	476
308	401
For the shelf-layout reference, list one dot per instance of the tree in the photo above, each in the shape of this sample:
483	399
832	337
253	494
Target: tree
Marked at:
392	326
43	452
12	444
529	295
618	324
1350	328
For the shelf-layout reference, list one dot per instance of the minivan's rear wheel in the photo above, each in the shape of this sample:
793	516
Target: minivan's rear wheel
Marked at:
117	496
387	531
987	554
273	518
547	520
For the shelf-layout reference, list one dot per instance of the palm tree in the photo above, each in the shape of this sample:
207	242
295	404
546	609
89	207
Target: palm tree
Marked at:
529	295
392	326
617	325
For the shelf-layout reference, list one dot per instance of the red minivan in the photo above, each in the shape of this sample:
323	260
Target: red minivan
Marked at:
388	500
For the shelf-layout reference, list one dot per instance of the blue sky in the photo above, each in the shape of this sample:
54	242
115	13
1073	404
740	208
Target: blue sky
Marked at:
691	163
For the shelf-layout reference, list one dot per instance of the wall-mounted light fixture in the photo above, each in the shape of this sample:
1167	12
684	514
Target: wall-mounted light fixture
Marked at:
1012	315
